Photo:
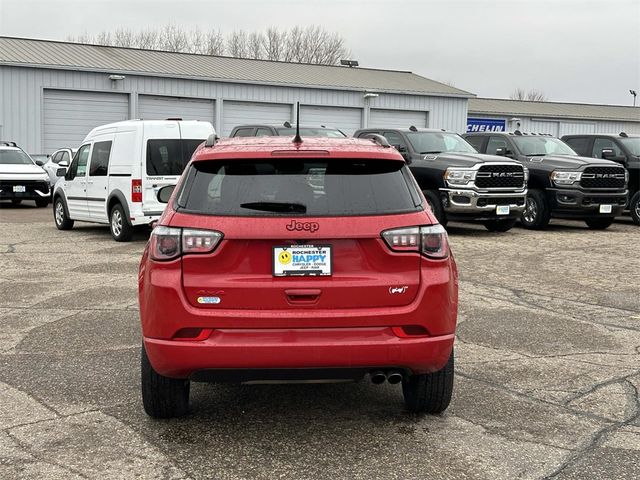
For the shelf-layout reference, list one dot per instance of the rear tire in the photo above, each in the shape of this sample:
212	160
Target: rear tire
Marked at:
634	206
436	206
500	225
61	216
162	397
536	213
598	223
42	202
121	229
430	392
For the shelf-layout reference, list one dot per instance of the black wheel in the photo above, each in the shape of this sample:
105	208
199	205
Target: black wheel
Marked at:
599	223
16	201
431	392
536	213
121	229
42	202
436	206
634	206
162	397
61	216
500	225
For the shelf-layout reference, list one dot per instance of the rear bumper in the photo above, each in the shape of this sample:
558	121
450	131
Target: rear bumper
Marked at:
239	350
574	203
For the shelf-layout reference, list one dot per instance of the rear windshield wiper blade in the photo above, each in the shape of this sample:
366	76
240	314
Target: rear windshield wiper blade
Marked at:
537	154
286	207
435	151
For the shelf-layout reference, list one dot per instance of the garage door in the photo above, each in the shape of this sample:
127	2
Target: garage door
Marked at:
70	115
346	119
380	118
241	113
161	108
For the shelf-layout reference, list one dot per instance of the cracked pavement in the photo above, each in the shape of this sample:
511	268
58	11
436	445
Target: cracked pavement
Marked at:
547	365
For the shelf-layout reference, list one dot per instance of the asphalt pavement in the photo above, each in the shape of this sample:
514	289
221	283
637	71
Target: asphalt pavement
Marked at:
547	372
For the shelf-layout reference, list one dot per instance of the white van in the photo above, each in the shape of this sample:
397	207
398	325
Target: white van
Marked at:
116	173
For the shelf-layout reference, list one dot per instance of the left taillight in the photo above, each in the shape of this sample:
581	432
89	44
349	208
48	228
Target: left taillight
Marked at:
429	240
168	242
136	190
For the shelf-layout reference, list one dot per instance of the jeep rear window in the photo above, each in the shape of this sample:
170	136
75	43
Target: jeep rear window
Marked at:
169	156
299	187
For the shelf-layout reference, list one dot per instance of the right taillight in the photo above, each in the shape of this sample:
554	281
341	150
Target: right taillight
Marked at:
430	240
168	243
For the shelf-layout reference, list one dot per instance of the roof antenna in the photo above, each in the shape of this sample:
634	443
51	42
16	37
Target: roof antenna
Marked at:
297	138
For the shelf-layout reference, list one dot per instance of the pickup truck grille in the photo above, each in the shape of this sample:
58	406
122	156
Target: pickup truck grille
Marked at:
602	177
500	176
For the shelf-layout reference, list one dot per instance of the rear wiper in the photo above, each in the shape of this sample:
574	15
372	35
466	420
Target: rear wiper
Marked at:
426	153
536	154
275	207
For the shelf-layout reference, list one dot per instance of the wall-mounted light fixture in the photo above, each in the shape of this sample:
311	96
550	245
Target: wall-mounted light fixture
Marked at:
115	78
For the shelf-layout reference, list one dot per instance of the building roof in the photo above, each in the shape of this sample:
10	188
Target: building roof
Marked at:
118	60
495	106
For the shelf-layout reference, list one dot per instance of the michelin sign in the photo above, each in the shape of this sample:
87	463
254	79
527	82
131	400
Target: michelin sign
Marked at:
485	125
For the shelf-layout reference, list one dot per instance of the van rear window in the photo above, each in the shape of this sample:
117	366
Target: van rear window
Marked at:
305	187
169	156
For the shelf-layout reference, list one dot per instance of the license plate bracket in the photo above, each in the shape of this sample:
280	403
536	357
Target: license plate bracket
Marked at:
502	210
302	260
606	208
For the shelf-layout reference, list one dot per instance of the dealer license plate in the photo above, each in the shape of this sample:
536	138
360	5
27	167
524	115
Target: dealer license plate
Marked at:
302	260
605	208
502	210
19	188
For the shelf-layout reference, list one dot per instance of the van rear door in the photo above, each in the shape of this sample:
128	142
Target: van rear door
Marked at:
167	148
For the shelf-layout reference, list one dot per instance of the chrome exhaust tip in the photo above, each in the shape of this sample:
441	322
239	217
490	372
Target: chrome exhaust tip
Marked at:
394	377
378	377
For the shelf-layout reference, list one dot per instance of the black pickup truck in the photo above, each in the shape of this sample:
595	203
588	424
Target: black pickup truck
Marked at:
562	184
621	148
459	183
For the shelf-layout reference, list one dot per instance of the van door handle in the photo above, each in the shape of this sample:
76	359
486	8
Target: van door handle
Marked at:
303	295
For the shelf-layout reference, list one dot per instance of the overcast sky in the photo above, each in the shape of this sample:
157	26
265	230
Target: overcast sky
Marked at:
571	50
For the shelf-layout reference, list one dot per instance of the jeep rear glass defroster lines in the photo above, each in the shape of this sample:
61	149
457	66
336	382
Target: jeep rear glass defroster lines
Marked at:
301	187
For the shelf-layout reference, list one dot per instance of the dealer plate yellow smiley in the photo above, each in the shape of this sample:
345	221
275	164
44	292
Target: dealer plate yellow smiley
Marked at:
284	258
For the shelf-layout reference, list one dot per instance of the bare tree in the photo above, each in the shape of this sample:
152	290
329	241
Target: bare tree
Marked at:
237	44
531	95
311	44
214	43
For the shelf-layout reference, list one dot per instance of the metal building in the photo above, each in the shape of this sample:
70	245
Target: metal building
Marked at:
489	114
53	93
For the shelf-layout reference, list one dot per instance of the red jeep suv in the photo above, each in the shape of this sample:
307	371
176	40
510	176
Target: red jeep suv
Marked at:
292	261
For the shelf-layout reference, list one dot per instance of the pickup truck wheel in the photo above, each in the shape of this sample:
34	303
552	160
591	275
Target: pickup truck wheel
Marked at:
42	202
536	213
121	229
431	392
500	225
436	206
634	206
599	223
162	397
60	215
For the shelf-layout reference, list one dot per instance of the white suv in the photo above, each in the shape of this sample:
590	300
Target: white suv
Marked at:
115	175
20	177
